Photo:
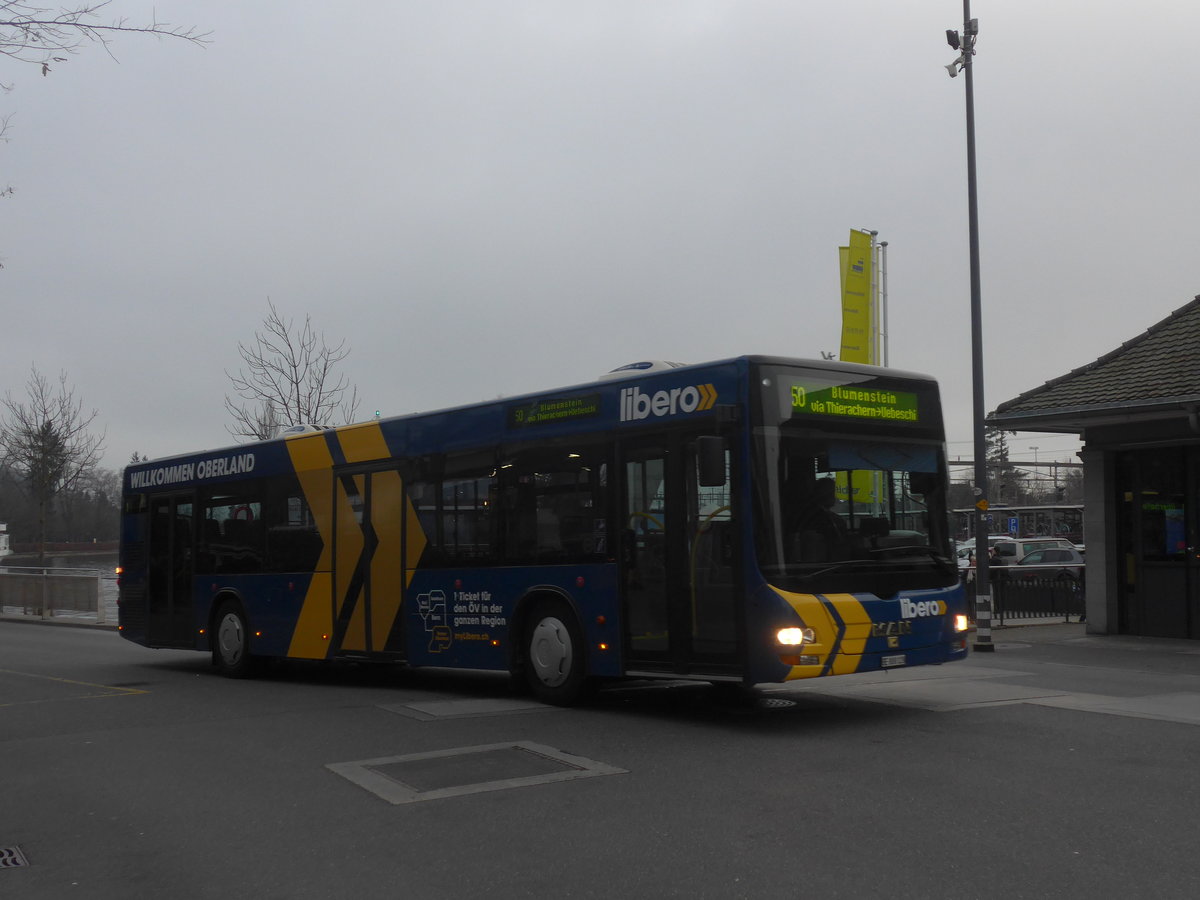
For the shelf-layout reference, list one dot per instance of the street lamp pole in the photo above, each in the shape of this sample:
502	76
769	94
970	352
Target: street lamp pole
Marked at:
983	592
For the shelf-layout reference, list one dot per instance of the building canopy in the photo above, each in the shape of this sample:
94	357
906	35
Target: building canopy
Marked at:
1154	376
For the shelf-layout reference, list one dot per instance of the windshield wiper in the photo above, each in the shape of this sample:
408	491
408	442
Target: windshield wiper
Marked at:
946	565
830	568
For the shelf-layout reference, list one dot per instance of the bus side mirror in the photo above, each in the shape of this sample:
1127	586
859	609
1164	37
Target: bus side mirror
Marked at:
710	460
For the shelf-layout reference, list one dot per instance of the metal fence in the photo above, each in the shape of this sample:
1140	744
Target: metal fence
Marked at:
85	595
1034	592
89	595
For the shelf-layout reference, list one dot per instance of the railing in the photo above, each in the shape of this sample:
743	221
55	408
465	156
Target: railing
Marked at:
84	595
1034	592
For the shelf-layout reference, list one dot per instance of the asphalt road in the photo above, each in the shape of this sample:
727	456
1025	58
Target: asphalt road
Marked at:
1061	765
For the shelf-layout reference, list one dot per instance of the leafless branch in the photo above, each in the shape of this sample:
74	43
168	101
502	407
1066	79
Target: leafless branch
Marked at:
289	378
33	33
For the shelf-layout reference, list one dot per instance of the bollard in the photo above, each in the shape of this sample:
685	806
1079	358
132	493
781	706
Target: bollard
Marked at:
983	622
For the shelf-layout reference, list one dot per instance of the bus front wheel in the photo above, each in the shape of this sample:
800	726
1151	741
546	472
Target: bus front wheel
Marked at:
554	664
231	642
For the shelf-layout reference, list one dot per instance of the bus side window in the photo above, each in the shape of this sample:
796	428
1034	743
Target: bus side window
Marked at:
554	507
456	516
233	531
293	541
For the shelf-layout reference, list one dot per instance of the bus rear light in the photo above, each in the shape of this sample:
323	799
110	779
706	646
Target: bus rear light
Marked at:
601	620
794	637
579	582
961	623
603	646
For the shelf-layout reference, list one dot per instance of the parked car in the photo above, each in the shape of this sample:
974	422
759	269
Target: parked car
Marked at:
964	552
1059	563
1013	550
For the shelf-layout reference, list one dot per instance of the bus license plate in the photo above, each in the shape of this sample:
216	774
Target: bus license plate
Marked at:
892	661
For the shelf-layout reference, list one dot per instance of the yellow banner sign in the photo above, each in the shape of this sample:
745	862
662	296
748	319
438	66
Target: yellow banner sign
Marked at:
858	329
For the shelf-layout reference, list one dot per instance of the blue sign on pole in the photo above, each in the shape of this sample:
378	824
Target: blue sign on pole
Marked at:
1013	524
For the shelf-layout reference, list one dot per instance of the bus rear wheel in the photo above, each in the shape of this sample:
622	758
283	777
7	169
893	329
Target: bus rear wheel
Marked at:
231	642
554	664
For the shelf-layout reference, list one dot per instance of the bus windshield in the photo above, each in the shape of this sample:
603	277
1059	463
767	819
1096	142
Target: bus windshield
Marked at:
850	500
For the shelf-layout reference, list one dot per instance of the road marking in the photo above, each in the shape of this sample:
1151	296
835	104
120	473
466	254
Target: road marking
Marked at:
940	694
948	694
1183	707
430	711
467	770
106	689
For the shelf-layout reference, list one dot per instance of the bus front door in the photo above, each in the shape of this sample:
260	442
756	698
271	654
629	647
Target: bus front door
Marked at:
678	562
170	568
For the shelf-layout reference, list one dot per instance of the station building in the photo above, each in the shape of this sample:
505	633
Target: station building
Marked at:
1137	411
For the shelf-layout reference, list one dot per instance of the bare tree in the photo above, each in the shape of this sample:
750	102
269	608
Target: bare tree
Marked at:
289	378
46	441
31	32
89	512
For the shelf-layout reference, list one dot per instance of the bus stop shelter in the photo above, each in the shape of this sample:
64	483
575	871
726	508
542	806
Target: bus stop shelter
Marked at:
1137	411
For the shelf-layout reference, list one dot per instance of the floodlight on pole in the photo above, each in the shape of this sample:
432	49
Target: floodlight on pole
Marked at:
965	42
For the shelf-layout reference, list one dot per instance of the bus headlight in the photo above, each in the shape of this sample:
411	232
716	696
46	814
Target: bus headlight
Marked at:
794	637
961	623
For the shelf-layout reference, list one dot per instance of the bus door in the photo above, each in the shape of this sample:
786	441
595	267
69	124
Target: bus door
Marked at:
368	561
678	563
171	564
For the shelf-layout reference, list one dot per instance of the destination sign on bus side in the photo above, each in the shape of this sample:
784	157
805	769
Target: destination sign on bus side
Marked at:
184	472
548	411
877	404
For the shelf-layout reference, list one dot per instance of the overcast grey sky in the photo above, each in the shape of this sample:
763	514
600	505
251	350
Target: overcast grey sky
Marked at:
488	197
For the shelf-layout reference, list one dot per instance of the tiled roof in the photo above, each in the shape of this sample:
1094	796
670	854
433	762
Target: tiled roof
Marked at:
1162	365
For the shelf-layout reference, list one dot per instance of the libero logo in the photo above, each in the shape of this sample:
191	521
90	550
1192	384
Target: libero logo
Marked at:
635	404
921	608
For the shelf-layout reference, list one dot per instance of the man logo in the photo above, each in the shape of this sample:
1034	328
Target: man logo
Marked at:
694	398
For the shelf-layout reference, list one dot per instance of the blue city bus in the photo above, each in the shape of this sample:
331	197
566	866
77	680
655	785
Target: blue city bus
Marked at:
752	520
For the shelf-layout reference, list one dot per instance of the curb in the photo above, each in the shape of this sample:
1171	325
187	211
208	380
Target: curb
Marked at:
54	622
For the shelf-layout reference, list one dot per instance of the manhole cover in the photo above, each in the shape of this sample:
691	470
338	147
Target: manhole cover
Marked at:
775	703
12	857
467	770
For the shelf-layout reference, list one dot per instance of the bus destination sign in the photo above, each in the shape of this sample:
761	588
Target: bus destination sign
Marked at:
879	404
548	411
